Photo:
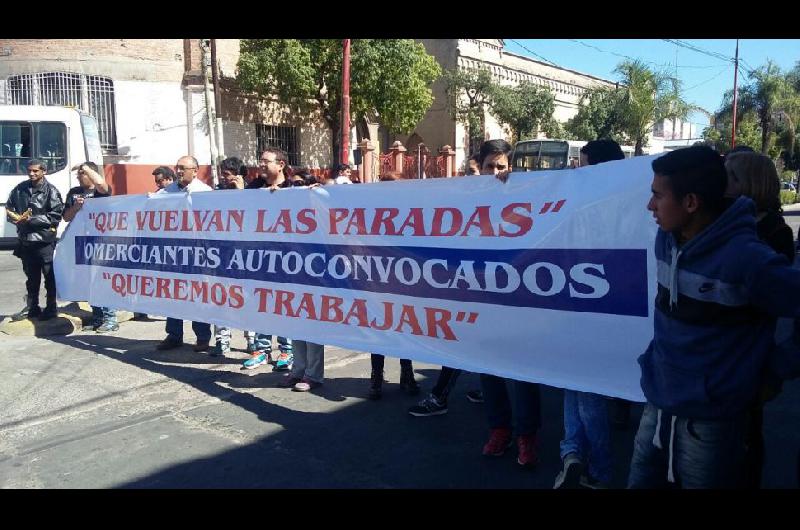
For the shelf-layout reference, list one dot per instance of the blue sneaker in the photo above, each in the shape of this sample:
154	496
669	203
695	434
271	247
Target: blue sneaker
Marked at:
255	361
284	362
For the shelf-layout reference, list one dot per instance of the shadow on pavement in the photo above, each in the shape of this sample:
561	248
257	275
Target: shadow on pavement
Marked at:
359	444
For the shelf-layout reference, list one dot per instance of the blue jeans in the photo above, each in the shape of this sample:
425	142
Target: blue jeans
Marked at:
263	343
309	361
706	453
520	397
201	330
586	432
103	315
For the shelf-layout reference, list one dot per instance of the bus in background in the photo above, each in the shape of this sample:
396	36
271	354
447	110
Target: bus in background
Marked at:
60	137
538	155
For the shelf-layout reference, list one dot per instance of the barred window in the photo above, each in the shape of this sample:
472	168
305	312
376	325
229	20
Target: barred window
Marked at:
280	136
91	94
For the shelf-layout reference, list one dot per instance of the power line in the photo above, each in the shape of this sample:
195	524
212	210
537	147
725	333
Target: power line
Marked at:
635	59
533	52
697	49
724	69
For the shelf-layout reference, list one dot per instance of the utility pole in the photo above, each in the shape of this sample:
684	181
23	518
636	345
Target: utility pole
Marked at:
735	94
206	61
217	101
344	156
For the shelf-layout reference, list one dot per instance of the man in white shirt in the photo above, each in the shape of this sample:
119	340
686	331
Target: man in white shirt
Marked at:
186	171
187	182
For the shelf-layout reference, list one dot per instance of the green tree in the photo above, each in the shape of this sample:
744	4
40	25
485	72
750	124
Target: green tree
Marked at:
525	108
768	105
390	77
597	117
767	95
469	92
646	96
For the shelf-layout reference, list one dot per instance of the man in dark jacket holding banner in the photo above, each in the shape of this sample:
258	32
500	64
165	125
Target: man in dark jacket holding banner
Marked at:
719	289
35	206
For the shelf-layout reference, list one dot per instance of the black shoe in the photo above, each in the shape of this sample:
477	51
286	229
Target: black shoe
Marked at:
89	327
31	309
375	384
140	317
51	311
27	312
429	406
169	343
407	382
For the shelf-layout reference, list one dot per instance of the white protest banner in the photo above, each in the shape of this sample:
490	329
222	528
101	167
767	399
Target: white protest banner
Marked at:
547	278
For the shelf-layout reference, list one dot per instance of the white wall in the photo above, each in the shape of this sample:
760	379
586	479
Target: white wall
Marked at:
151	122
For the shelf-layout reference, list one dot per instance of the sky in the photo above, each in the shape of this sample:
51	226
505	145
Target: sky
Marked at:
704	78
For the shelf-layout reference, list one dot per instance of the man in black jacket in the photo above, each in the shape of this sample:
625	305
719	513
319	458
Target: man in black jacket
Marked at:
35	206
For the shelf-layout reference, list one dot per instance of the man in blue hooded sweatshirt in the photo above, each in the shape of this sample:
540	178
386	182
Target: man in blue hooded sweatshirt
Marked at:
719	291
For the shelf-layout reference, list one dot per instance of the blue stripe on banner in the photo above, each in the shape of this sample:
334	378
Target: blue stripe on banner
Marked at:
612	281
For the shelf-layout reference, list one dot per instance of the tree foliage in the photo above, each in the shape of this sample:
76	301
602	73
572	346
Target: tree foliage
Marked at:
646	96
469	93
597	117
525	108
768	112
390	77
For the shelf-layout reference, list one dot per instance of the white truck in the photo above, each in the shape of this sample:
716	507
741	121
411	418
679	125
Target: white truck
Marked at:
61	137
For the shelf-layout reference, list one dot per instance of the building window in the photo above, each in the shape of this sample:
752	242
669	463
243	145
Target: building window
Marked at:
280	136
91	94
658	129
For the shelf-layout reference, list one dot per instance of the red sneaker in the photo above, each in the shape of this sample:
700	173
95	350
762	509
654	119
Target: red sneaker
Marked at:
499	441
527	446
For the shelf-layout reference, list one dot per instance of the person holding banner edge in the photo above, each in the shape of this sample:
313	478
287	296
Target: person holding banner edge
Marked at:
186	172
91	185
719	290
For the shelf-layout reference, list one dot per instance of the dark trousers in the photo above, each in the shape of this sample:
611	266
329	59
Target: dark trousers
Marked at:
514	406
378	361
37	260
754	458
445	383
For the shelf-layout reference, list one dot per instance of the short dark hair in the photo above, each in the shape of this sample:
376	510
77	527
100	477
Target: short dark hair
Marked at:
36	162
697	169
164	172
599	151
493	147
280	155
342	167
91	165
234	165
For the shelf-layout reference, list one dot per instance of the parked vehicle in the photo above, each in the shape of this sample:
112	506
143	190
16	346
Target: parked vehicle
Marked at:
61	137
537	155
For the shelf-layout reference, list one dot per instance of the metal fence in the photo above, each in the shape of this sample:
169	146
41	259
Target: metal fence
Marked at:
91	94
280	136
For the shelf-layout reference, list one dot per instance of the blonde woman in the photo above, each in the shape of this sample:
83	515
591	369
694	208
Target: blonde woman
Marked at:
754	175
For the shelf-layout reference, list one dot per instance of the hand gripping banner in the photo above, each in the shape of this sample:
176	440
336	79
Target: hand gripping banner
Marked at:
547	278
